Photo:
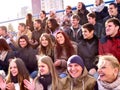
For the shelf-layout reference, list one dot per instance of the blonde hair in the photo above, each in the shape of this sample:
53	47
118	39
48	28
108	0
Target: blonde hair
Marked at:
112	59
48	61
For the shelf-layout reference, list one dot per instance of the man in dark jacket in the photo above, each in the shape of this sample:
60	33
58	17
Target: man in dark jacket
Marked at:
113	12
88	47
98	27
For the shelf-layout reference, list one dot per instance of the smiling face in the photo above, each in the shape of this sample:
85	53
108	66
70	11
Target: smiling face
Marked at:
106	71
112	10
60	38
75	22
97	2
87	34
23	43
74	69
111	29
79	6
49	24
44	41
43	68
13	68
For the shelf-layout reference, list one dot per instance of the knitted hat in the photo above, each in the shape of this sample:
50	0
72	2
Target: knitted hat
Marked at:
76	59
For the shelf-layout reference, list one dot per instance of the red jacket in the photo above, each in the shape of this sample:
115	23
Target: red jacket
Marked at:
110	45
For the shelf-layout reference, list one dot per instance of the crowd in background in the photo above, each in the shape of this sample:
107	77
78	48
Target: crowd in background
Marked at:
79	50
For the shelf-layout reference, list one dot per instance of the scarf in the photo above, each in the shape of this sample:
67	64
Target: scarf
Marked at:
14	79
110	86
45	80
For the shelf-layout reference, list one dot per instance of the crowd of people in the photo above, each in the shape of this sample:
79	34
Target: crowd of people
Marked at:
77	51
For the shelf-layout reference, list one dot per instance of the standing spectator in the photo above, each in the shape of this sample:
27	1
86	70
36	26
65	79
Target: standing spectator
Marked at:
47	78
37	33
77	77
82	13
109	73
17	72
111	43
64	48
27	53
98	27
43	18
74	32
5	54
46	46
100	10
29	22
88	47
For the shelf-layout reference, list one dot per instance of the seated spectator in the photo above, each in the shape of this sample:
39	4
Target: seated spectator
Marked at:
63	49
46	46
88	48
37	33
29	22
43	18
52	27
78	77
47	78
111	42
74	32
113	12
5	54
66	19
27	53
23	31
53	15
82	13
17	72
7	36
98	27
100	10
109	73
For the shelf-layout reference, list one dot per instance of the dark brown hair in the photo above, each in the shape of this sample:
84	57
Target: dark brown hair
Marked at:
4	45
67	44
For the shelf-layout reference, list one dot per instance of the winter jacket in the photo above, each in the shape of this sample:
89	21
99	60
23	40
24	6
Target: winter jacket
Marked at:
88	50
84	82
62	68
74	36
28	55
5	63
110	45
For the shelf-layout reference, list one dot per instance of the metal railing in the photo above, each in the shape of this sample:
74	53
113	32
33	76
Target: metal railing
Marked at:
59	11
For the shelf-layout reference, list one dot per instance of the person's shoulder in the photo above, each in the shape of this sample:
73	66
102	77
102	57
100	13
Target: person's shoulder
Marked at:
64	80
103	40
